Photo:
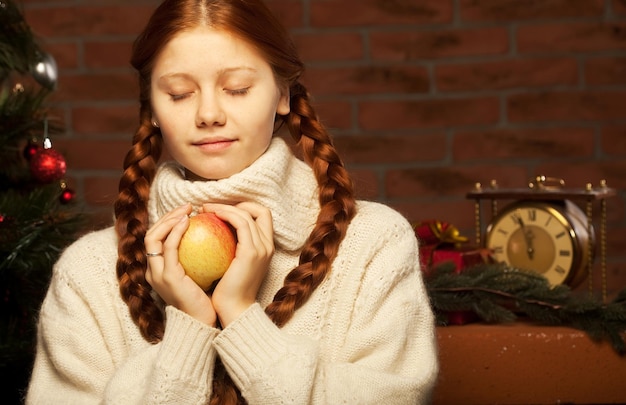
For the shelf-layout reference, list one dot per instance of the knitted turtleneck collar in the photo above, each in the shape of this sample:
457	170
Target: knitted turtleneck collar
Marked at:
277	180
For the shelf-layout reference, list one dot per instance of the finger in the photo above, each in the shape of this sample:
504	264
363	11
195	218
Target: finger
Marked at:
170	246
165	268
261	215
252	221
153	240
184	209
247	232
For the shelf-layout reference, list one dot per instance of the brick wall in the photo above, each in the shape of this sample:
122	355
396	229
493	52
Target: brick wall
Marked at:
426	97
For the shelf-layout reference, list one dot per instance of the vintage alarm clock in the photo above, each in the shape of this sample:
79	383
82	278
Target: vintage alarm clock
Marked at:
541	229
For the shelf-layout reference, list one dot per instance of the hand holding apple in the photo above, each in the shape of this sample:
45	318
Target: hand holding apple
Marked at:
206	249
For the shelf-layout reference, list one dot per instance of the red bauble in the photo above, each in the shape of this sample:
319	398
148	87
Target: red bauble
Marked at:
67	196
47	165
30	150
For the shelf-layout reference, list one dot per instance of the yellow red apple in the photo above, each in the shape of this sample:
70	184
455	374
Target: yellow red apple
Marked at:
206	249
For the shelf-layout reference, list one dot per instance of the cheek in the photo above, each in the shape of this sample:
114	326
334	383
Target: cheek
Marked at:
170	142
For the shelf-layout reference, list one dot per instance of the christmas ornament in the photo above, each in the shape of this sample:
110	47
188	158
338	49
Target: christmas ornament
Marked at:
47	165
30	150
67	195
45	70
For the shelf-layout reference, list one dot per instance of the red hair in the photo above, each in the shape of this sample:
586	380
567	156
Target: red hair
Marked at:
251	21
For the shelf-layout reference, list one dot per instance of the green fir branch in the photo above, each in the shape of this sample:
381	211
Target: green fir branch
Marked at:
497	293
35	229
18	47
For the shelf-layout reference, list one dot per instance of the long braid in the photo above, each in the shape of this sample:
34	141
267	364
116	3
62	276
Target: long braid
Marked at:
336	197
131	213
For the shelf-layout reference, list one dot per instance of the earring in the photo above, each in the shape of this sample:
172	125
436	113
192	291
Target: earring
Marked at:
155	124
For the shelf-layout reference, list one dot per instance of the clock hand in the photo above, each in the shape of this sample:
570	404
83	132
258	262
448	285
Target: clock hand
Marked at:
528	238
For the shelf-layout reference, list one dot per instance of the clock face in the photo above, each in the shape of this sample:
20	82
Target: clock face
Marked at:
535	237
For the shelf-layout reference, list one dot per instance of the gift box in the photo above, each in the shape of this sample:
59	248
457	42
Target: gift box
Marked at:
463	257
441	242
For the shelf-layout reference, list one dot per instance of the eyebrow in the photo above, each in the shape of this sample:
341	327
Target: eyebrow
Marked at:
219	72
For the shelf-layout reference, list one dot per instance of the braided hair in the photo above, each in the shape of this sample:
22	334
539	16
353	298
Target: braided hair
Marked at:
251	21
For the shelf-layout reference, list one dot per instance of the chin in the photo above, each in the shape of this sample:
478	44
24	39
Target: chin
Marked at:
211	175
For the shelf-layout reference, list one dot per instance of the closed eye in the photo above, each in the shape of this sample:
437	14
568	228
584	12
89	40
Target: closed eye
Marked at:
177	97
238	92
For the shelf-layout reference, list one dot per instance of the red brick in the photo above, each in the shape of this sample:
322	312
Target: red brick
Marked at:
101	191
106	120
616	243
316	47
535	143
367	80
365	183
97	87
614	140
93	154
511	10
606	70
88	20
571	37
98	217
409	114
579	174
459	213
619	7
566	106
107	54
615	278
65	55
56	117
335	114
448	181
361	149
341	13
507	74
37	3
417	45
289	12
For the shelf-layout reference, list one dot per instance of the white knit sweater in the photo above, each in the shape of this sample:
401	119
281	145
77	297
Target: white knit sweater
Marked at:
366	335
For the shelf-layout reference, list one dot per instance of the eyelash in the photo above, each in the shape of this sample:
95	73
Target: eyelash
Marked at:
238	92
177	97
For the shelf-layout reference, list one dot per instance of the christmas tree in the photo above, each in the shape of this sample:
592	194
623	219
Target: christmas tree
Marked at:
37	213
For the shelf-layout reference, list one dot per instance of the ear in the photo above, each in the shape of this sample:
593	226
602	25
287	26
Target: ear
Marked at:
283	108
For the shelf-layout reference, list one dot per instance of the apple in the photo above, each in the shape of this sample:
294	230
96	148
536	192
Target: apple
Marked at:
207	248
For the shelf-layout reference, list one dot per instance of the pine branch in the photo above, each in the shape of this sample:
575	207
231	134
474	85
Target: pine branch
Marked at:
18	48
497	293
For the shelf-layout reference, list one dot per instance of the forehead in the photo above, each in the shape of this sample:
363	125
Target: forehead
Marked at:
207	50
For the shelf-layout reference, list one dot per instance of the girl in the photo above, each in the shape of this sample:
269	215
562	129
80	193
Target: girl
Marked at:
324	301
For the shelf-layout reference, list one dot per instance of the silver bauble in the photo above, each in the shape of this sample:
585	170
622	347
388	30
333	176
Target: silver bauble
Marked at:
45	71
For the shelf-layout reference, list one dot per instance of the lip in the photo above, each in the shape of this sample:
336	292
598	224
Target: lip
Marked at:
214	144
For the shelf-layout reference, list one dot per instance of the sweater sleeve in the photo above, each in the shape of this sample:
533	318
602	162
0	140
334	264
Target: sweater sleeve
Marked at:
90	352
387	354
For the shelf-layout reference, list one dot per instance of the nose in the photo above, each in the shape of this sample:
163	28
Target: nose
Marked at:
210	111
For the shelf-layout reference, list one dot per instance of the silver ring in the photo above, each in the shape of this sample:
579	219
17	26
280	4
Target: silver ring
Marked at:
154	254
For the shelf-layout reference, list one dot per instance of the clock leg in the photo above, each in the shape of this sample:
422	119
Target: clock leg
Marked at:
589	212
603	247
